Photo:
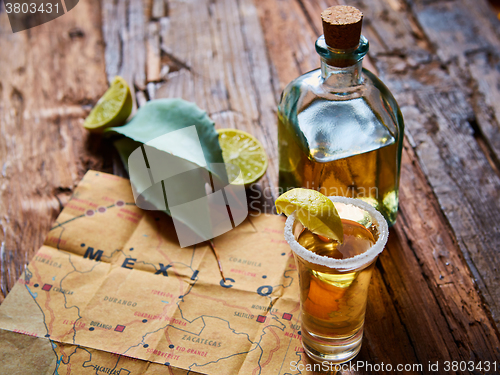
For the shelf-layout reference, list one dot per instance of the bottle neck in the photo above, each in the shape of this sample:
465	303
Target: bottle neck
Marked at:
337	77
341	68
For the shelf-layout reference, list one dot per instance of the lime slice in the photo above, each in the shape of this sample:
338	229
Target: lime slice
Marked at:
112	109
315	211
242	152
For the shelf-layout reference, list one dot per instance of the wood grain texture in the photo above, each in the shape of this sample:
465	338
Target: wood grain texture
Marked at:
124	33
212	53
234	62
432	292
153	62
436	101
49	77
434	92
220	63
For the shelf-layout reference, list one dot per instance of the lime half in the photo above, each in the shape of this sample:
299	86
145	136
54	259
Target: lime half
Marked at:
242	152
112	109
315	211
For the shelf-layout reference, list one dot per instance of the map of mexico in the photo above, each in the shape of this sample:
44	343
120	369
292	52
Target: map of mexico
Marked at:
112	278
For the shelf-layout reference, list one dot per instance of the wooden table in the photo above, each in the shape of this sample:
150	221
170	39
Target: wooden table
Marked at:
435	295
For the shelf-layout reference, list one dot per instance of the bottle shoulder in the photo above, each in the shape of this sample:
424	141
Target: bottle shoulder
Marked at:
384	95
311	85
362	117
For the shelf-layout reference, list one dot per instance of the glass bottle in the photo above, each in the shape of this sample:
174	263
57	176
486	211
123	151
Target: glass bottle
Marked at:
340	130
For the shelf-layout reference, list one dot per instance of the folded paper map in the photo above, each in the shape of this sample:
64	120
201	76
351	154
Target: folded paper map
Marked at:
111	292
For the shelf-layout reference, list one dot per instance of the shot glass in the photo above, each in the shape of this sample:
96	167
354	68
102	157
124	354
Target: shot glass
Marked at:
334	284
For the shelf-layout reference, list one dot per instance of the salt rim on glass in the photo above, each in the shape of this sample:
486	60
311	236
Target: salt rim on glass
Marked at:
348	263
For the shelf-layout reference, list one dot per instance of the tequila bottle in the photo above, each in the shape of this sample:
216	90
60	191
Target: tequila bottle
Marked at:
340	130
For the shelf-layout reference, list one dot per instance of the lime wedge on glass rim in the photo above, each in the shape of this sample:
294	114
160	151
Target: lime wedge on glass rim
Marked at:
314	210
112	109
243	152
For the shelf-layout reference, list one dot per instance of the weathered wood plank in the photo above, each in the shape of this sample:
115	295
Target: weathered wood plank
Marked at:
444	281
466	33
291	51
124	33
453	160
220	63
153	53
434	97
385	335
422	268
48	78
422	305
464	182
159	9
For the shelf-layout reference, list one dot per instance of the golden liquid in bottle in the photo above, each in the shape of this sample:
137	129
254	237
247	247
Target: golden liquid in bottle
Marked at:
370	176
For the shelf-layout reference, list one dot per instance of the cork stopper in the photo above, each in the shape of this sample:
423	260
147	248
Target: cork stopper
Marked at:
342	26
